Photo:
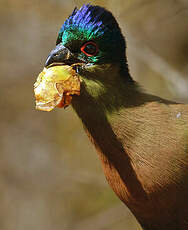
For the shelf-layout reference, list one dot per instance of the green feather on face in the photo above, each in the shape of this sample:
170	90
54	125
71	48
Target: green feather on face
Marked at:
74	39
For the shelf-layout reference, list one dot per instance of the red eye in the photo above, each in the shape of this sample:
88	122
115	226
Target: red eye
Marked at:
90	48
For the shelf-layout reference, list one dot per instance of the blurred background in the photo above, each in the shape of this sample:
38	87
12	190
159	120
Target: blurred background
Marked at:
50	175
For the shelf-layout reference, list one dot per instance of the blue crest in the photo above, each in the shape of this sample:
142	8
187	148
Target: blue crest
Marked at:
94	19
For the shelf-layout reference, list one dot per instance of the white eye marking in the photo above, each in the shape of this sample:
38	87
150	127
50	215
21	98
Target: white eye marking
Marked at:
178	115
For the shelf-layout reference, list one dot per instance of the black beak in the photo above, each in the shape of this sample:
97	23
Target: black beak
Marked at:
60	55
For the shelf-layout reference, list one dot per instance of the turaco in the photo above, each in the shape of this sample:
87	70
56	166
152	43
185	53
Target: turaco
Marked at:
141	139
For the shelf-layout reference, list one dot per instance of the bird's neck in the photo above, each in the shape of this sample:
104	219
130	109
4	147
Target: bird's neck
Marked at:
98	107
109	112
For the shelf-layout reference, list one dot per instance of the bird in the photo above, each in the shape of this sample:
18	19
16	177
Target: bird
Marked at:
141	139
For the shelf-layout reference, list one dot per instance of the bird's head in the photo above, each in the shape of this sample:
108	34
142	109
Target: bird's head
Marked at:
91	41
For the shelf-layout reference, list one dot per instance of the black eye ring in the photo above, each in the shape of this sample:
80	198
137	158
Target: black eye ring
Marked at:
90	49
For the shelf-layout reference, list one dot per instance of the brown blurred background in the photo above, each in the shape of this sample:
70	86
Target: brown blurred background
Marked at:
50	175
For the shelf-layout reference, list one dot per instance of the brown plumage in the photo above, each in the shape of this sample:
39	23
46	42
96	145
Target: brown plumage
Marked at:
144	152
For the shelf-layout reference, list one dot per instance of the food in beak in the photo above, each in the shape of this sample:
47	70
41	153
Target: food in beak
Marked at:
55	86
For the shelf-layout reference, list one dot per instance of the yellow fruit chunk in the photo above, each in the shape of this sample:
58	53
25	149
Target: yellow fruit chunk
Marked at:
54	87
